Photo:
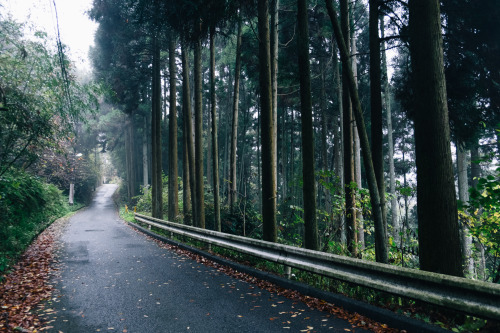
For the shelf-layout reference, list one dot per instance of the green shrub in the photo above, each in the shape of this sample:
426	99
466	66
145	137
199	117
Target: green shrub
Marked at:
28	206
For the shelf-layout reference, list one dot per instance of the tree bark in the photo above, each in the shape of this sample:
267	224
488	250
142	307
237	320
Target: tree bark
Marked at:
380	243
157	186
233	194
392	175
215	145
198	123
439	237
308	173
360	232
475	174
376	112
268	165
338	134
274	41
145	168
188	130
349	172
173	187
463	196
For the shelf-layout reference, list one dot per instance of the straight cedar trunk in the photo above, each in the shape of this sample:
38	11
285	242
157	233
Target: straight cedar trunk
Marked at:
215	145
173	186
463	196
376	112
268	165
392	174
274	41
475	172
339	146
145	168
360	232
129	156
349	171
198	133
308	174
157	186
233	193
186	188
381	254
188	132
439	236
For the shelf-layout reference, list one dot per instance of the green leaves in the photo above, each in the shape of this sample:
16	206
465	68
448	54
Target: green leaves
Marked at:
35	113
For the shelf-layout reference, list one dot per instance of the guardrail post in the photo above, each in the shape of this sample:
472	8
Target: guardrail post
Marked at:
149	226
209	247
288	272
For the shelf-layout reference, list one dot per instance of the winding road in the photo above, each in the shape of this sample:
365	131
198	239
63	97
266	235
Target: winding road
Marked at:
113	279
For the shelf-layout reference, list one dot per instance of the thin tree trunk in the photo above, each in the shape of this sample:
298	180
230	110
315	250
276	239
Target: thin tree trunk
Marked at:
173	187
376	112
438	230
188	128
463	196
267	126
145	168
233	194
475	174
339	132
215	145
380	242
308	174
274	42
349	176
186	188
357	148
198	123
157	187
392	175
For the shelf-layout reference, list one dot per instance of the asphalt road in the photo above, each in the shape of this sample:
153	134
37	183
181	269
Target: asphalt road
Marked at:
113	279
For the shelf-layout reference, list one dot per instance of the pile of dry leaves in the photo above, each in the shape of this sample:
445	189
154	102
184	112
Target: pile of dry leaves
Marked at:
27	285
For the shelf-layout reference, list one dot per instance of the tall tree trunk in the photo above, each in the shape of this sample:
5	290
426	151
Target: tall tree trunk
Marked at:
198	123
173	187
357	146
188	131
186	188
145	168
380	243
215	145
349	176
392	175
475	174
267	131
308	174
463	196
376	112
274	42
439	237
157	186
324	130
338	134
233	194
130	160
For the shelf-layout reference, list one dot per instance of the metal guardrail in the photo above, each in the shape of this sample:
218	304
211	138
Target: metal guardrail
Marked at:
469	296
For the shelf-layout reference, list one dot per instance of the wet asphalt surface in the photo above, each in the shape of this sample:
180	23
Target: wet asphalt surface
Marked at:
113	279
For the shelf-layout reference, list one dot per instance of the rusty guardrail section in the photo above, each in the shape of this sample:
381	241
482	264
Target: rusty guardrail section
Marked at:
472	297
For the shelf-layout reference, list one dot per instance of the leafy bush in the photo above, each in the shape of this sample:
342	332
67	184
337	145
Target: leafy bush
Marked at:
28	206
